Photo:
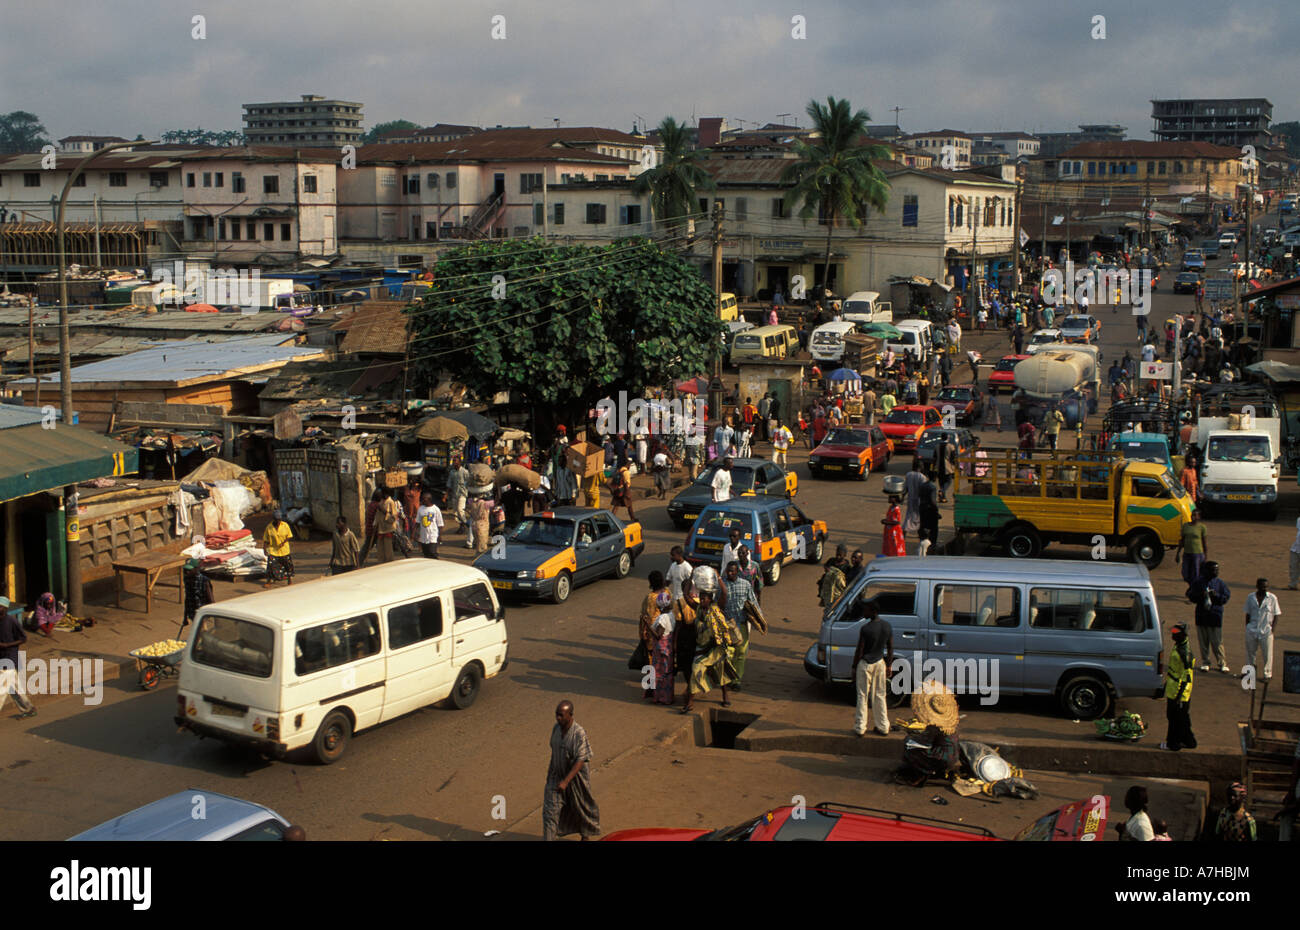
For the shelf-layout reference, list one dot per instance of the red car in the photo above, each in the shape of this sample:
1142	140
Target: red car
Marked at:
851	450
907	423
829	822
1003	373
966	401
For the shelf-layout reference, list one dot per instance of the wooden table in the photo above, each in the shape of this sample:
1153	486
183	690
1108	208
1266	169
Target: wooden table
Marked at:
152	565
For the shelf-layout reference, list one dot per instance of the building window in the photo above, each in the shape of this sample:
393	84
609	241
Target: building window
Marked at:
910	210
559	214
779	209
1092	168
270	184
189	179
284	232
539	214
117	179
157	178
529	183
234	229
629	215
742	208
432	181
221	179
309	184
268	232
595	213
451	180
252	231
236	184
79	180
411	185
207	179
221	228
1161	169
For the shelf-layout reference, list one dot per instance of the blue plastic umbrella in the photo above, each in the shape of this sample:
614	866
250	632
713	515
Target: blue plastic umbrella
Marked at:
843	374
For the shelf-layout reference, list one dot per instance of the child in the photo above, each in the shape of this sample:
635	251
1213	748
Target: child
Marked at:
746	434
1161	830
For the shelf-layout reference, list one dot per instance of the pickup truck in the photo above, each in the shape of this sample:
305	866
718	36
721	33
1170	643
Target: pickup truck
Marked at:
1241	457
1071	497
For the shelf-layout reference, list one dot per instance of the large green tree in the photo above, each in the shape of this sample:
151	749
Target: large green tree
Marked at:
675	177
836	175
21	132
564	325
218	137
379	129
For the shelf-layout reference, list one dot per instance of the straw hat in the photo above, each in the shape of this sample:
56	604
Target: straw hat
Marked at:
935	704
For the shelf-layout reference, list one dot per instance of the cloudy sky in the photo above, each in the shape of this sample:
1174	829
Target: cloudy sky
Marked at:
132	66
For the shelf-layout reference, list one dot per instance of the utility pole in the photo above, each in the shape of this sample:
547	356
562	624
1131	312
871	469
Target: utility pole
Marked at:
76	606
1250	204
715	383
974	247
1015	236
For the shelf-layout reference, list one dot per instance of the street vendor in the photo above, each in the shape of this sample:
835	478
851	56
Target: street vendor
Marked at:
275	541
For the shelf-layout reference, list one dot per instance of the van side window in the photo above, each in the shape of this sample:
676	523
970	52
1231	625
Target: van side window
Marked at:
1074	609
893	598
473	600
782	521
336	643
977	605
413	623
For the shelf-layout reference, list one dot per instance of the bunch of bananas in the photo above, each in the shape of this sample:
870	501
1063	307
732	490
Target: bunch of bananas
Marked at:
164	648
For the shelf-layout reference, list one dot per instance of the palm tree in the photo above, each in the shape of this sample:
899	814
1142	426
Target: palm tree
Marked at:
673	181
836	174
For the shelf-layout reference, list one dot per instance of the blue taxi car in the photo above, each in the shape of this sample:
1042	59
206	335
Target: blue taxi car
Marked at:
774	528
549	553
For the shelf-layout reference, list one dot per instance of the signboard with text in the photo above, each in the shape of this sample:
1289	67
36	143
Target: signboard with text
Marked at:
1156	371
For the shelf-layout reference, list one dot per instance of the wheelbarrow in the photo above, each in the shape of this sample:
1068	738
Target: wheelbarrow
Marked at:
158	661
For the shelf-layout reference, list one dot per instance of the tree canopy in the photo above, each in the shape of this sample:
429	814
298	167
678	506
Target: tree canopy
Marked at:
219	137
379	129
564	325
21	132
673	181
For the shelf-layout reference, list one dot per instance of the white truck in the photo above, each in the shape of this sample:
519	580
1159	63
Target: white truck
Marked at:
867	307
1242	456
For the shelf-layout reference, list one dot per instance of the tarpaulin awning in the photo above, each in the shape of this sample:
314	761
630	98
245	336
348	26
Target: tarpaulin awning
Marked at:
34	459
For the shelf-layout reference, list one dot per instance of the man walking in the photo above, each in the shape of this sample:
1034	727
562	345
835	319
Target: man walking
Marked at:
869	406
1262	611
1193	547
428	525
721	483
872	660
764	412
568	805
736	593
781	439
1178	693
345	551
1209	594
1052	423
458	490
11	638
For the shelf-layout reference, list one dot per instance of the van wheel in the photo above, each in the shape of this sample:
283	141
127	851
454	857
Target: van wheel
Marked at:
563	587
815	553
773	574
466	688
1086	697
1023	542
332	738
1146	549
866	471
624	565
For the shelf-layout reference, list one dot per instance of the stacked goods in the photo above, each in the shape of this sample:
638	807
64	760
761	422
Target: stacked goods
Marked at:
158	650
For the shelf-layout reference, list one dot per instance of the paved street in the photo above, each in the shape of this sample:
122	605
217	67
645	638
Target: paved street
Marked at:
442	774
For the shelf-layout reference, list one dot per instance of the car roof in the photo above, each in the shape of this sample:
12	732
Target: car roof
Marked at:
911	407
172	818
348	595
863	295
753	502
913	324
741	463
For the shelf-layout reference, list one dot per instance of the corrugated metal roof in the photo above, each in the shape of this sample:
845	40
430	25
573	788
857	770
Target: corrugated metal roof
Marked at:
185	362
34	459
377	326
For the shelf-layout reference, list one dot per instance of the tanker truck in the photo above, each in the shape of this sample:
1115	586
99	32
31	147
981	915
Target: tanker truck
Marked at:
1064	376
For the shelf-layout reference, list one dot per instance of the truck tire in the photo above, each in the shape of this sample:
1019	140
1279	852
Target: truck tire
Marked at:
1022	542
1145	549
1086	697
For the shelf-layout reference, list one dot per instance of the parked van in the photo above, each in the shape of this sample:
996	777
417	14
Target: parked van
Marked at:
916	340
729	308
764	342
730	332
1086	632
867	307
309	665
827	341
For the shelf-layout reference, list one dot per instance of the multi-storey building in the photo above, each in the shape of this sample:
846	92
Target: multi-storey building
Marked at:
1234	122
312	121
